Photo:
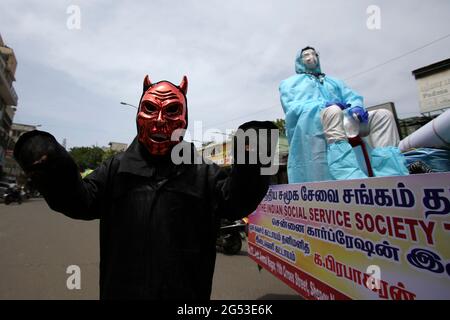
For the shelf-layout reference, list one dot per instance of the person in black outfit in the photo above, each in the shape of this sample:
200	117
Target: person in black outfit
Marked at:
158	218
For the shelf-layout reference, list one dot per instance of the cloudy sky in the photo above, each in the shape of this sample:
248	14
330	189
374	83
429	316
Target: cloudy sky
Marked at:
235	53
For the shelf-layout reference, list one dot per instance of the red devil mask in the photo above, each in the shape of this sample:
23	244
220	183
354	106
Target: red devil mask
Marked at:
162	110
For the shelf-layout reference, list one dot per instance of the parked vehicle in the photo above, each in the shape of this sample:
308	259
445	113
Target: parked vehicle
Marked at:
3	187
13	194
229	238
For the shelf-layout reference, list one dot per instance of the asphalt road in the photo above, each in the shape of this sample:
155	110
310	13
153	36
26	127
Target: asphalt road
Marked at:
37	246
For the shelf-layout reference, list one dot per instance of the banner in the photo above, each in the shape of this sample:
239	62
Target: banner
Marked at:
377	238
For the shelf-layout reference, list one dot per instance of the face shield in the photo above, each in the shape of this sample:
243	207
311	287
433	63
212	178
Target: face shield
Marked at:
310	59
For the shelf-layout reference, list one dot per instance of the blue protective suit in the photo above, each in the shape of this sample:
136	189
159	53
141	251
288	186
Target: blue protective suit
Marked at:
303	96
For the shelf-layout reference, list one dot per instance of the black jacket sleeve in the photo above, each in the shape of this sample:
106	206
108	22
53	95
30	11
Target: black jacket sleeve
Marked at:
240	192
55	174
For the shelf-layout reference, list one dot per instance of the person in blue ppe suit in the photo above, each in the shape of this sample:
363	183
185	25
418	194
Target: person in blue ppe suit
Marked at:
315	105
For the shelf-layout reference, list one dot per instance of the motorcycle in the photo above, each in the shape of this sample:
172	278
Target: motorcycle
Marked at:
13	195
230	235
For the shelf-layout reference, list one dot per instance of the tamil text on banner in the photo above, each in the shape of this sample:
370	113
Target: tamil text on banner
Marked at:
378	238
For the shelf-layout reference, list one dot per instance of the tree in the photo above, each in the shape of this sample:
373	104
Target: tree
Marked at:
281	124
87	157
109	153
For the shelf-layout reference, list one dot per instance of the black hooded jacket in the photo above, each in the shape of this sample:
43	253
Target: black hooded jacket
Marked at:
158	221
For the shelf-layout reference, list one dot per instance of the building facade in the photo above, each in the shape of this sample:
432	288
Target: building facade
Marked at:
11	167
117	146
8	100
433	84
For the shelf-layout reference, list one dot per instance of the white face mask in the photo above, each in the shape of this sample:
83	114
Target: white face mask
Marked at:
309	59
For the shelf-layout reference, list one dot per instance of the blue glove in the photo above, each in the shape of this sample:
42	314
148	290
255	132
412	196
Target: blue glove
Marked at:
361	113
343	106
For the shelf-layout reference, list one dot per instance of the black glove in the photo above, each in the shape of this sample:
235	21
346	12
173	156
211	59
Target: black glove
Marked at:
44	160
36	149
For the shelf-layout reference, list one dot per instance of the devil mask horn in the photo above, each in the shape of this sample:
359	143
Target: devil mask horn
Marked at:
147	83
184	85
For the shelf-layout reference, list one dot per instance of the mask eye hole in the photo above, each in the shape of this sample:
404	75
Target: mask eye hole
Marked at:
150	107
173	109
